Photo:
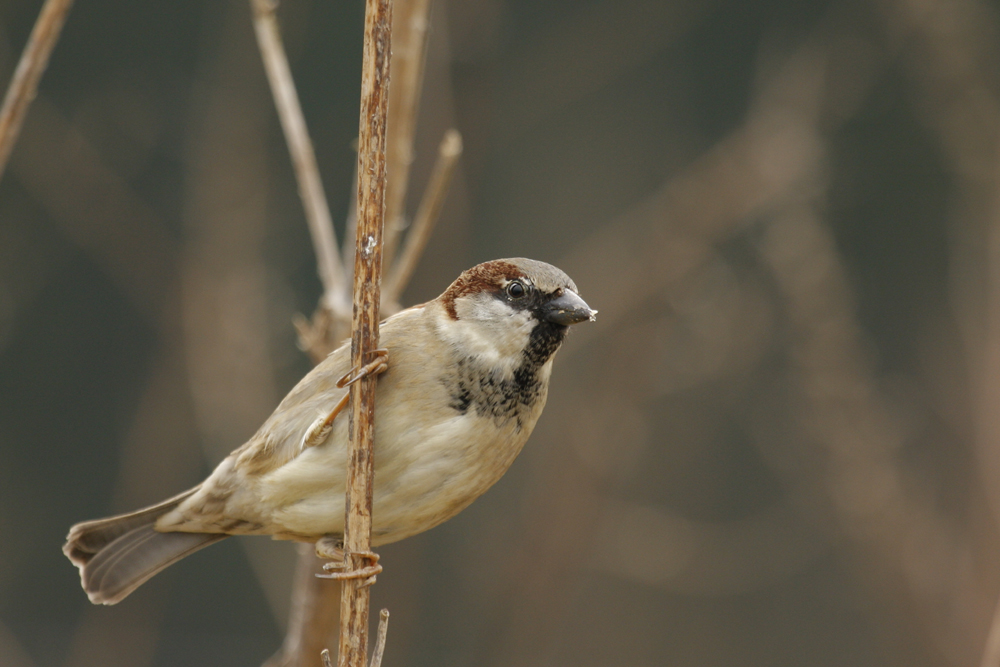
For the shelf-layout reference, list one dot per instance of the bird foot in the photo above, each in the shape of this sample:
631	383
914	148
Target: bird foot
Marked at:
376	366
368	572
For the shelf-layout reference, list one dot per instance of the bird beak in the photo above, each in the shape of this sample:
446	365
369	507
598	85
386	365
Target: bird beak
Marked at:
568	308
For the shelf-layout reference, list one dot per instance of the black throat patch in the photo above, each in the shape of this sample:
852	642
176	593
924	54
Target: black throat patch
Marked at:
488	391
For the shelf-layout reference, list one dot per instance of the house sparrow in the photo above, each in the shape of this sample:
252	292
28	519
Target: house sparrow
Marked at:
467	379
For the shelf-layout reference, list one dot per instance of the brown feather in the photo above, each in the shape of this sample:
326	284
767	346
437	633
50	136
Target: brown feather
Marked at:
117	554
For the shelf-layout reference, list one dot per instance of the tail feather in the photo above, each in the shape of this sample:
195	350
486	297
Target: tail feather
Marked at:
86	539
118	554
132	559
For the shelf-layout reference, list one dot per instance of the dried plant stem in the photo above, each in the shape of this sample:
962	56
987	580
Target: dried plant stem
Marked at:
427	215
988	425
383	628
991	652
24	84
409	56
313	618
355	594
331	272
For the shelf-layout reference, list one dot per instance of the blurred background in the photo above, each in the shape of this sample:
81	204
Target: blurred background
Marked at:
778	445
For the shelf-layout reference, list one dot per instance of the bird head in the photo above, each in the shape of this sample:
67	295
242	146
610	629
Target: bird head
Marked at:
509	311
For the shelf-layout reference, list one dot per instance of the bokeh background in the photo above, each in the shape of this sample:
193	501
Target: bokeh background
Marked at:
779	444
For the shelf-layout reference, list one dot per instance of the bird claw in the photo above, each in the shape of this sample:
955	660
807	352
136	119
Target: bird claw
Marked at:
376	366
368	573
320	429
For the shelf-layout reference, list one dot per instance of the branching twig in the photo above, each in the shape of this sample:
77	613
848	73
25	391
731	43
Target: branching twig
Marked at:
315	600
24	84
427	215
355	594
331	272
409	56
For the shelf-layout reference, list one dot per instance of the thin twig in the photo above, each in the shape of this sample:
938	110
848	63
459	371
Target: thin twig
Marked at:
409	57
325	654
286	99
24	83
383	628
989	389
991	651
355	593
427	215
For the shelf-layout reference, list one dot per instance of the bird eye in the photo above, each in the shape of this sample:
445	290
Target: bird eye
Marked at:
516	289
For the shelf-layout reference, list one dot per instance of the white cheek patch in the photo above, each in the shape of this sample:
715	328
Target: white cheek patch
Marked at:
490	329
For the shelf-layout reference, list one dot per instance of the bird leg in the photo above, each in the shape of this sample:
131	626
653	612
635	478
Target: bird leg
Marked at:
332	548
320	429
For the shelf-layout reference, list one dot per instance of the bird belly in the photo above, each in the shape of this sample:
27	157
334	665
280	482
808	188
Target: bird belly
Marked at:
423	476
447	470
